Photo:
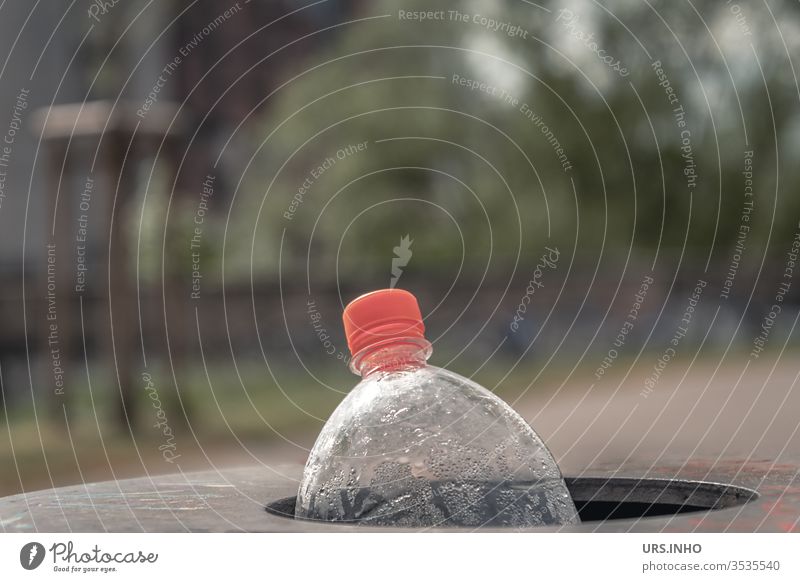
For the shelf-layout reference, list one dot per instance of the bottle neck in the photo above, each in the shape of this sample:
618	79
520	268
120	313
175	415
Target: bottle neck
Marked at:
394	355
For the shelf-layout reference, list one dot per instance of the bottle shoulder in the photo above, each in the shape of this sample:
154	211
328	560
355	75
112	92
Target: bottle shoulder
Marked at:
431	378
402	408
424	387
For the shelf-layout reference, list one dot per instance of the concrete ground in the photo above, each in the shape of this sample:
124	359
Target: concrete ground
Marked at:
739	410
742	411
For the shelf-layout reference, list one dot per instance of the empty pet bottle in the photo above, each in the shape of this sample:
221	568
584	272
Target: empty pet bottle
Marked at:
414	445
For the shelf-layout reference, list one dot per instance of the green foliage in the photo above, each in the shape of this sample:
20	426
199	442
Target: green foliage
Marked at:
468	175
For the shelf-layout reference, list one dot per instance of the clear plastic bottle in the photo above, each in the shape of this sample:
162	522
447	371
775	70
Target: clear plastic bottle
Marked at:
414	445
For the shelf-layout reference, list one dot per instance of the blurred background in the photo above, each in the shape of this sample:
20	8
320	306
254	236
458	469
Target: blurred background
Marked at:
596	204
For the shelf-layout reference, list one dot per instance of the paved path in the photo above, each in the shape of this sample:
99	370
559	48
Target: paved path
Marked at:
692	412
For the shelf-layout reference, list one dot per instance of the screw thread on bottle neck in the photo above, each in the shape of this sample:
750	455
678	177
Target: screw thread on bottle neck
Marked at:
392	355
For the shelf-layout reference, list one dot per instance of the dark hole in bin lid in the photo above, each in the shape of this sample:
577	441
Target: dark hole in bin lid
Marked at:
600	499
